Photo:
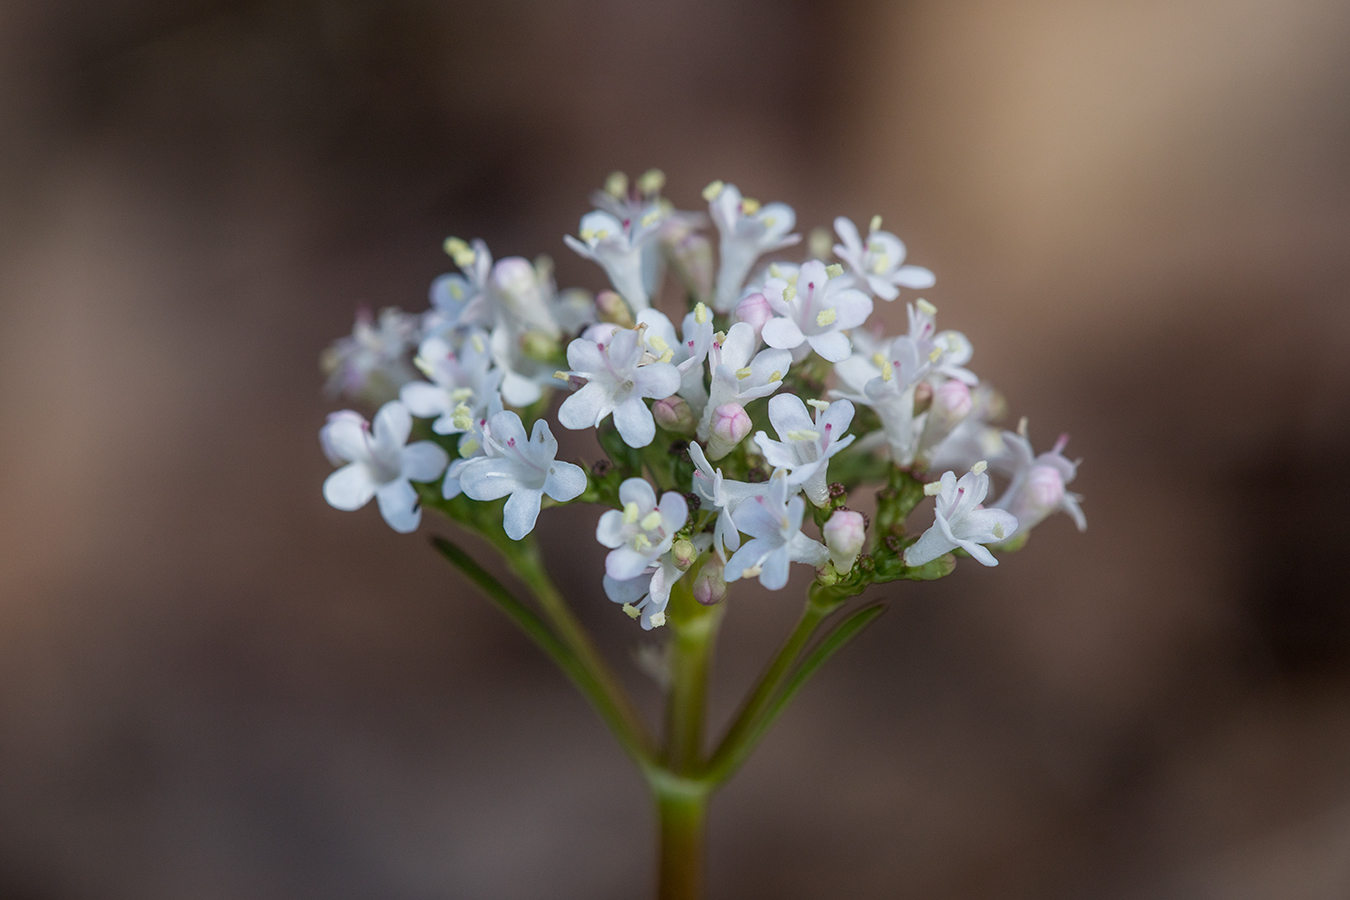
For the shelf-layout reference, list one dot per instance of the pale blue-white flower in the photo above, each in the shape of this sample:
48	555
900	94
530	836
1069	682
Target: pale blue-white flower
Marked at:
746	232
960	521
372	363
380	463
948	351
687	353
878	266
639	537
525	468
459	299
721	496
812	312
617	244
898	369
774	524
616	383
806	444
460	386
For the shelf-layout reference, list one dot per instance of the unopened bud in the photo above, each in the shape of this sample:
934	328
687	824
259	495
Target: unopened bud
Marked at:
730	425
675	415
683	553
952	400
709	585
819	243
923	396
844	533
755	311
691	256
610	307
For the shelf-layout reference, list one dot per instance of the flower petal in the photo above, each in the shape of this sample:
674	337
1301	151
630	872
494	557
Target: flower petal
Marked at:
424	461
399	506
565	481
520	513
634	421
349	488
782	333
586	407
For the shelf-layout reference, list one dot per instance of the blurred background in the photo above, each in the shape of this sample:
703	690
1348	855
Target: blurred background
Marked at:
214	686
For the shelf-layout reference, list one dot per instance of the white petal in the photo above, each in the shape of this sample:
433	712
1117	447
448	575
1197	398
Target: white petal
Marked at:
520	513
634	421
344	437
399	506
425	400
787	412
565	481
637	490
832	346
625	563
349	488
656	381
424	461
630	591
586	407
775	570
491	479
782	333
393	424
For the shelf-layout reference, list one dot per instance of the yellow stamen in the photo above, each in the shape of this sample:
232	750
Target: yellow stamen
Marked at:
979	467
652	181
651	520
775	271
932	489
887	370
460	252
789	293
749	206
753	571
998	530
469	448
641	543
658	619
925	307
775	375
632	611
700	314
561	375
876	224
935	355
616	185
651	218
712	191
422	365
820	405
803	434
834	270
478	344
463	417
826	317
631	513
743	373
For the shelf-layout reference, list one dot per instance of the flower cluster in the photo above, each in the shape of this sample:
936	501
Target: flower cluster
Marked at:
778	395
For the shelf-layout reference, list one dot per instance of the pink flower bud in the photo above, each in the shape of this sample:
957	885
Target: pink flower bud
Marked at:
709	586
845	534
755	310
952	400
730	425
1044	487
675	415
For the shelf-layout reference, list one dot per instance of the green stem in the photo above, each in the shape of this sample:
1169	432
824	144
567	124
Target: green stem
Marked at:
746	725
609	697
681	816
693	634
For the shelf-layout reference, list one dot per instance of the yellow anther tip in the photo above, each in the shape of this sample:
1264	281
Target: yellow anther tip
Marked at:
713	190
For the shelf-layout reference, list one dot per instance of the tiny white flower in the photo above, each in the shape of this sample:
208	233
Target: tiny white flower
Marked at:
879	265
1038	482
814	310
774	524
459	299
721	496
687	354
890	392
372	363
806	445
461	384
380	464
473	444
948	351
617	245
739	374
960	521
525	468
616	383
640	536
747	231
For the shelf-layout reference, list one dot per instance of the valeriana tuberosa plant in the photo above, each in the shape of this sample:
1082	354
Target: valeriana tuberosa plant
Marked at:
736	430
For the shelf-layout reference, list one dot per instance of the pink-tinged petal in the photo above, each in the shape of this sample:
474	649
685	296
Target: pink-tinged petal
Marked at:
851	308
393	424
424	461
625	563
782	334
637	490
487	478
507	429
914	277
833	346
349	488
656	381
520	513
635	423
585	356
787	412
399	506
344	437
565	481
585	408
838	415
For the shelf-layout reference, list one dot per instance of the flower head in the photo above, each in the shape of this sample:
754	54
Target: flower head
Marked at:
878	266
461	385
524	468
815	308
805	445
618	383
774	524
640	536
747	230
617	245
960	521
380	464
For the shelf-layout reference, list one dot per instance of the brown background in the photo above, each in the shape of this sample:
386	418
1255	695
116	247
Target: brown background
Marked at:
214	686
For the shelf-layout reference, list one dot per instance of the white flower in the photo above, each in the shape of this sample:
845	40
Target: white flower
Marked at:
616	383
747	231
525	468
461	387
686	355
640	536
953	349
805	445
460	300
372	363
890	392
473	444
721	496
814	309
524	296
1037	487
774	524
740	375
380	464
879	265
974	438
617	245
960	521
